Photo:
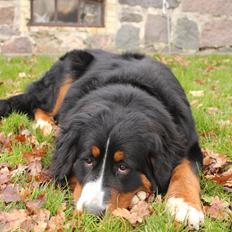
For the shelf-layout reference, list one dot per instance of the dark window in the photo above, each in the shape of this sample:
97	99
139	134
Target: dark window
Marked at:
67	12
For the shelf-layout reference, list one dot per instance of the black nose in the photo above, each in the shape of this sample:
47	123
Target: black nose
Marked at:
94	210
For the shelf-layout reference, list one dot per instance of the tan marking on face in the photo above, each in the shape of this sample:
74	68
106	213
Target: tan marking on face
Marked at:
146	183
185	184
77	191
123	200
95	151
72	182
120	200
118	156
64	87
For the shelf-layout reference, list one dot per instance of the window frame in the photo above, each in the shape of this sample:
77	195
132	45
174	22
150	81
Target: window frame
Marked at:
66	24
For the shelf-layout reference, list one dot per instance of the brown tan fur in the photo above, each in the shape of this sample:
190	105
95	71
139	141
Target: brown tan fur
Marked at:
77	191
95	151
118	156
185	184
123	200
48	116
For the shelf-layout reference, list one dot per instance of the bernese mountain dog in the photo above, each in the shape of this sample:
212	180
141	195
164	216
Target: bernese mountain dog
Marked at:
125	126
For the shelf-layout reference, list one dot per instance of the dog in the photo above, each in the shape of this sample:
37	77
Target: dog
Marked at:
125	126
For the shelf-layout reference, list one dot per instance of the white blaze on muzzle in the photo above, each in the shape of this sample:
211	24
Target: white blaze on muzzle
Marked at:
92	195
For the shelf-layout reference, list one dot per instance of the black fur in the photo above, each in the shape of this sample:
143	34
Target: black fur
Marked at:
132	99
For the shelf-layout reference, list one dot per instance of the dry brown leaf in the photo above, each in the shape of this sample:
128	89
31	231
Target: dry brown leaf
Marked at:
217	167
35	167
182	60
213	110
136	214
2	138
10	194
41	218
218	209
20	138
225	178
56	222
200	81
22	74
34	205
198	93
211	68
4	175
214	160
10	221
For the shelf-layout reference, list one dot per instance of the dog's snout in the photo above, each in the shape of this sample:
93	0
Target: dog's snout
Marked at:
94	209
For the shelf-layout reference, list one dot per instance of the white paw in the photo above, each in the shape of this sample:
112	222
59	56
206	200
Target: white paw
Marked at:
183	212
139	196
44	126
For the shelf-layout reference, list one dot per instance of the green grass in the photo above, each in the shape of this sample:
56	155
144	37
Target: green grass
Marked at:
216	84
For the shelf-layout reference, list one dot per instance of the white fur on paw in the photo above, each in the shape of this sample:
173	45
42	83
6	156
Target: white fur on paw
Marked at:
44	126
183	212
139	196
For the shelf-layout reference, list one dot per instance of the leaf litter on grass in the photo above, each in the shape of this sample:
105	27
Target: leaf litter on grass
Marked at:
34	216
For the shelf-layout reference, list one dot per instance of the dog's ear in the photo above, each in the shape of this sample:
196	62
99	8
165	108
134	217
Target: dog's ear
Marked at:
64	155
165	153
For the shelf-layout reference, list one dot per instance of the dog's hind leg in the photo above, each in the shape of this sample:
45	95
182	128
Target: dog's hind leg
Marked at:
45	120
44	97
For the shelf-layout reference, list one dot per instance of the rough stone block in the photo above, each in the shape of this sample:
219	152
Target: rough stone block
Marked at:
6	32
149	3
187	34
127	37
156	29
99	41
6	15
214	7
216	34
131	17
17	45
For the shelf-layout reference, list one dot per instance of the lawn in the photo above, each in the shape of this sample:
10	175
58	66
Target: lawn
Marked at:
207	81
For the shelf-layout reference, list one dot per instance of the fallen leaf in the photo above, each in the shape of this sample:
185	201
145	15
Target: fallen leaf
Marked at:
218	168
41	218
182	60
224	123
136	214
20	138
35	167
34	205
200	81
10	194
22	74
56	222
198	93
213	110
210	68
2	138
218	209
4	175
224	179
216	160
11	221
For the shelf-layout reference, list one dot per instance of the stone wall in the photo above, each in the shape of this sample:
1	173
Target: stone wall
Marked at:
195	26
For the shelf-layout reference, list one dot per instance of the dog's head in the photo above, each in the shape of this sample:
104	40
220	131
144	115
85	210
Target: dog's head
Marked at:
113	154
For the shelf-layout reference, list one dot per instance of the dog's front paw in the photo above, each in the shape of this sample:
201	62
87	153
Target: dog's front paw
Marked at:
184	212
4	108
45	126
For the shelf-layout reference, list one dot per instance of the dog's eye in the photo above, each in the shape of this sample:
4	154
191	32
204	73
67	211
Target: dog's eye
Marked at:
88	162
123	169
